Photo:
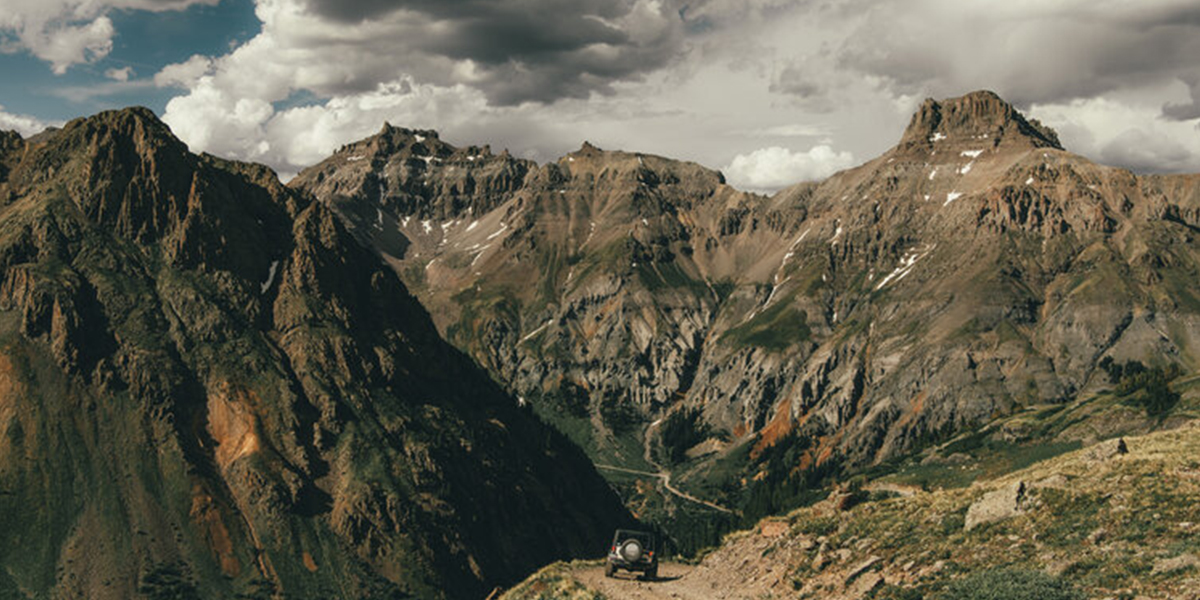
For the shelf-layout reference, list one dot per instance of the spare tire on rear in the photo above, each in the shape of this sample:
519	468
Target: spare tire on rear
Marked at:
631	550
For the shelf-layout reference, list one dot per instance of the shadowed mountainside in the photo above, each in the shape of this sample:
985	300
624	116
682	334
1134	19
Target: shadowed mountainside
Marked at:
208	388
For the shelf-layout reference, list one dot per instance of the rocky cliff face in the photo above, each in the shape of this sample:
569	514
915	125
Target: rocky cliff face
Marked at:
209	388
974	268
592	284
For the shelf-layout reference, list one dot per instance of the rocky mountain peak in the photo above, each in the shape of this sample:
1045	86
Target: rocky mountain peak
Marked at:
413	172
588	149
135	125
404	133
392	140
981	115
123	168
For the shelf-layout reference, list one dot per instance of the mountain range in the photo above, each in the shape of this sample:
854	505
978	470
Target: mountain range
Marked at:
398	374
975	268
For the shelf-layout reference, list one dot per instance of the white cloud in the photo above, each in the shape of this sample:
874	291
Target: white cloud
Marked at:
534	51
720	82
123	74
69	32
211	119
66	45
185	74
22	124
306	135
406	65
771	169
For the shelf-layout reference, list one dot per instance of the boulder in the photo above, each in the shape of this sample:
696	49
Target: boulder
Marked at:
995	506
1176	564
1107	450
773	529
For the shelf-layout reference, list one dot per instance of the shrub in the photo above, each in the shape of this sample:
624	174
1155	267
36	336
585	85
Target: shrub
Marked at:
1011	584
574	399
168	582
619	414
1147	388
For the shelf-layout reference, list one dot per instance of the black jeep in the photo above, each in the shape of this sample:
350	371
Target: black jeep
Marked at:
632	551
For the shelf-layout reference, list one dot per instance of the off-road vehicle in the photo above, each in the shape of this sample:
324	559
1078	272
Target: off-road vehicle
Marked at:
632	551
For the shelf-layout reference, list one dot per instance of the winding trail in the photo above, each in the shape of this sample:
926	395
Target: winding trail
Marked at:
663	474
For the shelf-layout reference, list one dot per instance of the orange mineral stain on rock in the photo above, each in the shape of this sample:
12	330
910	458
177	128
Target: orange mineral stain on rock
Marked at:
309	563
232	423
781	424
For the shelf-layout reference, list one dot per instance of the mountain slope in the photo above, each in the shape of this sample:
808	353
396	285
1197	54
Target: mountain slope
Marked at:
975	268
1106	523
209	388
593	282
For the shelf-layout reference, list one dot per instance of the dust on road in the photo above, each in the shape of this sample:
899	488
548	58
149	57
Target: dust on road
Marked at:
675	582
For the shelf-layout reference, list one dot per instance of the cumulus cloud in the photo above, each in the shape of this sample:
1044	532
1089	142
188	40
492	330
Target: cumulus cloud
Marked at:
22	124
226	124
773	168
69	32
367	61
539	50
185	74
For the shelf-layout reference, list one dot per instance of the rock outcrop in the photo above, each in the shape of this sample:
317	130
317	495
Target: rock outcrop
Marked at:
996	505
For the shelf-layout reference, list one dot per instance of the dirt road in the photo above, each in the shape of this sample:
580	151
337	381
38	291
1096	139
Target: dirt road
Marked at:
663	474
675	582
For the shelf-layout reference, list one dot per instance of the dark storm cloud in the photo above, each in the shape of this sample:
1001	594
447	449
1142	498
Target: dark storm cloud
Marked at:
794	80
504	36
1186	111
1144	153
1030	52
355	11
532	50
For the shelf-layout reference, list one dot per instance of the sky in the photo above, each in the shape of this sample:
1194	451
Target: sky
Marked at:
771	92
